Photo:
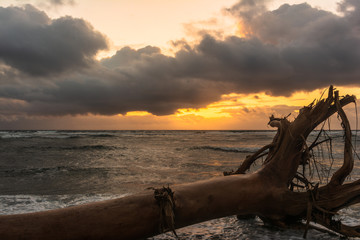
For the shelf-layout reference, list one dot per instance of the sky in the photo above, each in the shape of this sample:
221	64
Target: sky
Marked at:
180	64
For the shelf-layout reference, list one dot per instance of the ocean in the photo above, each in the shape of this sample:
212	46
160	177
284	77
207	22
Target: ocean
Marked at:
42	170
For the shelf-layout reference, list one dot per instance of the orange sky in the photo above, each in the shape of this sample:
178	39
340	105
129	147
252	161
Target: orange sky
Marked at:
126	23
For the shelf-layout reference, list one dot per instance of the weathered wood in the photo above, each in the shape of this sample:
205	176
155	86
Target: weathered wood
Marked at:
137	216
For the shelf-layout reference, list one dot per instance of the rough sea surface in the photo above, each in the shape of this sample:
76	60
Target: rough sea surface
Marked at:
41	170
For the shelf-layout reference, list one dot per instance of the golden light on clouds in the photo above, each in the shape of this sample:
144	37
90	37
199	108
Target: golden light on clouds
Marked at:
243	30
210	112
233	103
235	111
232	112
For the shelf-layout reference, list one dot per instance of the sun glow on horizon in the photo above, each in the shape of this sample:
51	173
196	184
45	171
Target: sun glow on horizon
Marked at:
233	112
238	110
137	114
230	103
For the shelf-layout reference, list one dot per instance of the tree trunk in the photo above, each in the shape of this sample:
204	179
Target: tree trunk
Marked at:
138	216
268	193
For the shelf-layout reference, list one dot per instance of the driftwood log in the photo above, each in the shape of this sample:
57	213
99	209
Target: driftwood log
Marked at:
268	193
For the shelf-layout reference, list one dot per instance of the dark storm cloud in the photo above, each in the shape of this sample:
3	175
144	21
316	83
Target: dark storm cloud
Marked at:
296	47
317	47
136	86
33	43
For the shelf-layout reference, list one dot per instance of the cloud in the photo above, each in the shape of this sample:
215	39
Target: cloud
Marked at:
62	2
53	5
248	9
48	4
295	47
33	43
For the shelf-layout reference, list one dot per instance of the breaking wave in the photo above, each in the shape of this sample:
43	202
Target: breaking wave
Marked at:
226	149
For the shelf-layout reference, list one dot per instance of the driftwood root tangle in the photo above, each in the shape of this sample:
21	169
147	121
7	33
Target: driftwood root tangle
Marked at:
289	151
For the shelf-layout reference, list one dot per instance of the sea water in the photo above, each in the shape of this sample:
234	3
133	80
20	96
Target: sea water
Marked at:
41	170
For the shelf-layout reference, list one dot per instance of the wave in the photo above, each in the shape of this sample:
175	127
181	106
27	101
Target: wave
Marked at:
77	148
55	134
46	171
92	147
103	135
16	204
225	149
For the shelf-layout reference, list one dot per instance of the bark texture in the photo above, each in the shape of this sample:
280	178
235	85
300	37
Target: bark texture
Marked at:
269	192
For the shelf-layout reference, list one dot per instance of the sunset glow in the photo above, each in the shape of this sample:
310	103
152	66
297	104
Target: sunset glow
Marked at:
234	111
171	64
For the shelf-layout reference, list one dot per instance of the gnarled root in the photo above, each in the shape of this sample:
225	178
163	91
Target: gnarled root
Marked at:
289	151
